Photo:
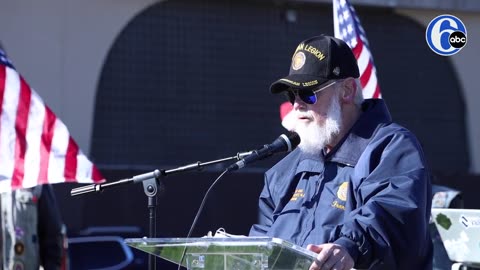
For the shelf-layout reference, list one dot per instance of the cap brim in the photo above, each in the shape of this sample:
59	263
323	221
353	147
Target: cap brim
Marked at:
297	81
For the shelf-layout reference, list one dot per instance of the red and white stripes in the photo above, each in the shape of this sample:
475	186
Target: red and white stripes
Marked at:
368	73
347	27
35	146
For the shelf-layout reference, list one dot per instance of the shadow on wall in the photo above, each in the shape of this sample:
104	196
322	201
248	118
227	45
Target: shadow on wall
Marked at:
231	205
197	78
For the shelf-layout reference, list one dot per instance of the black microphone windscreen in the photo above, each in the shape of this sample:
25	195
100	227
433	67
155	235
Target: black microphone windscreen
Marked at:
294	139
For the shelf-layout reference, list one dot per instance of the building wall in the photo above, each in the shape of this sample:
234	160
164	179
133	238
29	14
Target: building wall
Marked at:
200	83
466	65
60	48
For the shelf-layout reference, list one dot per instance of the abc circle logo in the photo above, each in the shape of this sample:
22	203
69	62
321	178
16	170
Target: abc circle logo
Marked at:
446	35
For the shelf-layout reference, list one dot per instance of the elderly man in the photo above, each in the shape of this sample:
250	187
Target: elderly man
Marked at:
357	191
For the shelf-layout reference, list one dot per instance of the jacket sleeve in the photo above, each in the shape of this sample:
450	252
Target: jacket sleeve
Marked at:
394	200
49	230
265	214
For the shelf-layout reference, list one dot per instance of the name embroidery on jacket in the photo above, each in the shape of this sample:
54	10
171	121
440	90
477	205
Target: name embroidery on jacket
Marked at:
341	196
299	193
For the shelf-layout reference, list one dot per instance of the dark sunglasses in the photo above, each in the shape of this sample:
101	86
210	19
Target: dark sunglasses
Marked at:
307	96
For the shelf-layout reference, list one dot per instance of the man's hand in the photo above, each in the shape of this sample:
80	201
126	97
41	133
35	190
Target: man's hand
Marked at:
331	257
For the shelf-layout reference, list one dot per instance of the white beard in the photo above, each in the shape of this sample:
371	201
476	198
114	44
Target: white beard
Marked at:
315	137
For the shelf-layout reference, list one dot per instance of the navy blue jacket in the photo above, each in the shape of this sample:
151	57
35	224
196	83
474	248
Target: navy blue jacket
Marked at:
370	194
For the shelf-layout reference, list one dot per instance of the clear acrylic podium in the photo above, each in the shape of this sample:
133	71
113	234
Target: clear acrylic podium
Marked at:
242	253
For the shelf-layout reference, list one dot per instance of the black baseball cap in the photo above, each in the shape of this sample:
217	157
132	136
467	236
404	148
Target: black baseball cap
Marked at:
316	61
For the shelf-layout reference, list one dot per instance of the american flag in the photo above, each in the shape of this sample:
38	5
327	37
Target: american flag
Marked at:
348	28
35	146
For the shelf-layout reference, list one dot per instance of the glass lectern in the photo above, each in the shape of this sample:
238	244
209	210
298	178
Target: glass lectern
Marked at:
242	253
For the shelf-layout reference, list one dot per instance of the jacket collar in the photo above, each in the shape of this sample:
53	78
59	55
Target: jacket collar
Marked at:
374	115
309	163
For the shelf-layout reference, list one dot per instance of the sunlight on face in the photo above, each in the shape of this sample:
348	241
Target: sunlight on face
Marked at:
315	136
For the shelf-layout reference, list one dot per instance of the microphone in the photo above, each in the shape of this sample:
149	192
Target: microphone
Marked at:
284	143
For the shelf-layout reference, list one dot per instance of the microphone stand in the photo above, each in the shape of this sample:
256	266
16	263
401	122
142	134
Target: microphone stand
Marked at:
151	182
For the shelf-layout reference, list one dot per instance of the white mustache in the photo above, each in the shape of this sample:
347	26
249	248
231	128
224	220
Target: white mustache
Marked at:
304	114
